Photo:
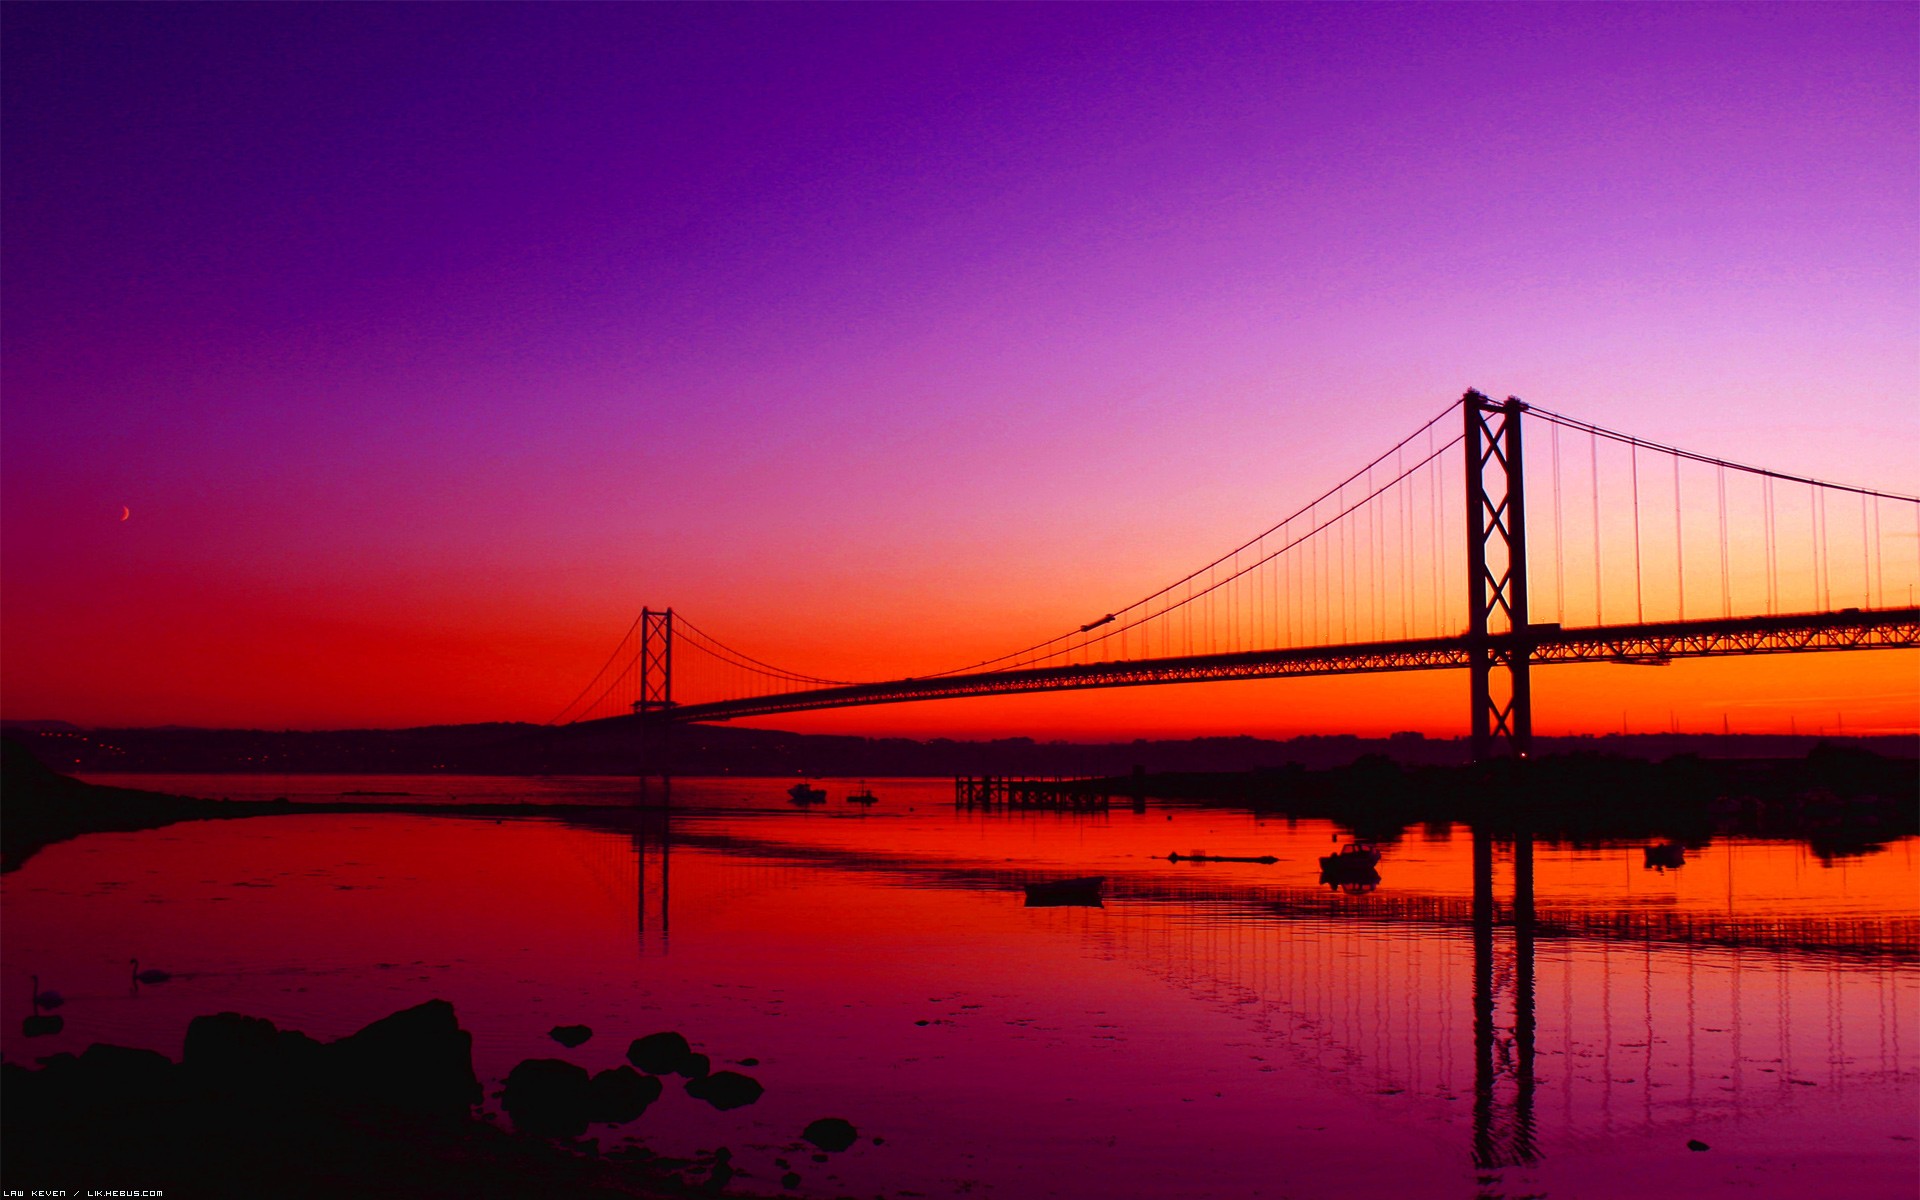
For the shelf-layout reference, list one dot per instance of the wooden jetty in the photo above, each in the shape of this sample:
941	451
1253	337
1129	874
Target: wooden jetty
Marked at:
1058	795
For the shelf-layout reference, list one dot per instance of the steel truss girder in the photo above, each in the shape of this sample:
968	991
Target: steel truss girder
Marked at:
1651	644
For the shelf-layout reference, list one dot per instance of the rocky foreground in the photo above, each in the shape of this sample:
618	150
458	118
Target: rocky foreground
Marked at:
391	1111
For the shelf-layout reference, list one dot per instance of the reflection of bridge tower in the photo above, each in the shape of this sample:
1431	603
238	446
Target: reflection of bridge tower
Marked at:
653	861
1503	1081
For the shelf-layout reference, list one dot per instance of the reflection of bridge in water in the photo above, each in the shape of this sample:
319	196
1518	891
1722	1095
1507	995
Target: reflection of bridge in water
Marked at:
1561	1028
1594	1028
1817	935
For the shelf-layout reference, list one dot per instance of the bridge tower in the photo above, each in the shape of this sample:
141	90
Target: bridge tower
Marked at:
1498	636
656	661
656	689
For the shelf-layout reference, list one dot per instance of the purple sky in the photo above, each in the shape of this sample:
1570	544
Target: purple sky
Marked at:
876	335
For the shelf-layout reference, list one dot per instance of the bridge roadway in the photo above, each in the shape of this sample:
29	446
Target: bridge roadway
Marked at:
1644	645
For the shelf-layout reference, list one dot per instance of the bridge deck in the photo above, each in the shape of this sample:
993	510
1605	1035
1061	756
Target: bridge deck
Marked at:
1646	645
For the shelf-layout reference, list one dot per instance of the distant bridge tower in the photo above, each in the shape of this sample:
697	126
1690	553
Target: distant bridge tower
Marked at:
1498	636
656	700
656	662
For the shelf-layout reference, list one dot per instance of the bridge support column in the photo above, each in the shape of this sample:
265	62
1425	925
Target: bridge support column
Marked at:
656	689
1498	633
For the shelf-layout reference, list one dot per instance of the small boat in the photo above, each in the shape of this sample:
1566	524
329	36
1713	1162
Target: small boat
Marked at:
1352	856
806	793
1665	855
1354	866
1203	856
1084	893
864	796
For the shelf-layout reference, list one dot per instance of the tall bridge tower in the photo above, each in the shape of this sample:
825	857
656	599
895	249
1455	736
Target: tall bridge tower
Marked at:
1498	634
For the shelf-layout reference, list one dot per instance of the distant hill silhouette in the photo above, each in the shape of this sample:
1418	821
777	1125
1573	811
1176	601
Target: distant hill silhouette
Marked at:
614	748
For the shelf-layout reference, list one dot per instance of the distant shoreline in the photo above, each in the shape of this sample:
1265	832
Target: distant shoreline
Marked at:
1838	798
612	749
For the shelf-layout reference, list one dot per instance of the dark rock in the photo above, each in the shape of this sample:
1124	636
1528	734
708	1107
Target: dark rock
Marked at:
620	1095
228	1047
725	1089
695	1066
1697	1145
128	1075
61	1083
790	1180
242	1057
570	1035
831	1133
749	1062
548	1098
417	1061
659	1053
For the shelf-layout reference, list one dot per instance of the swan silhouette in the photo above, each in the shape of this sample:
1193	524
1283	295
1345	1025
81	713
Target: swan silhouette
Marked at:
40	1024
150	975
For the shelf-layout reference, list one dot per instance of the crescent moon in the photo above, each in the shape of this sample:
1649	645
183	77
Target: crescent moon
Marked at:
125	512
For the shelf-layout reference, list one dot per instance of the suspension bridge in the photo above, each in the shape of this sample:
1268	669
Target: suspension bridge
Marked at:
1433	556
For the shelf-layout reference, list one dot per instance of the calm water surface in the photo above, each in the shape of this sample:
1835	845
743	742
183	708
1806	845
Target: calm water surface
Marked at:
1224	1030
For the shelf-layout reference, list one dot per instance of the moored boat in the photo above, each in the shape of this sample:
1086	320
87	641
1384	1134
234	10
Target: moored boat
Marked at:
1354	866
806	793
1352	856
864	796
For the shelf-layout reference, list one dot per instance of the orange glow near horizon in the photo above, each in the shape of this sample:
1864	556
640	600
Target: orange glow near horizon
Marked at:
225	652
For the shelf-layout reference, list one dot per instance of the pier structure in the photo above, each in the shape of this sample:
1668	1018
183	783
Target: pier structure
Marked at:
1056	795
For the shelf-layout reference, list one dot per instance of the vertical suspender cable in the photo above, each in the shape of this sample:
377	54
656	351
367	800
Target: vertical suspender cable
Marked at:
1233	606
1816	527
1400	552
1440	576
1343	571
1410	554
1559	559
1639	599
1866	570
1727	590
1286	591
1879	560
1323	597
1593	471
1257	600
1679	559
1826	559
1378	582
1773	549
